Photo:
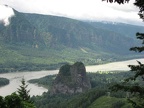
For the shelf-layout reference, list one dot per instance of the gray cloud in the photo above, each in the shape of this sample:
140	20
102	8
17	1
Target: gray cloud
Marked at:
79	9
5	14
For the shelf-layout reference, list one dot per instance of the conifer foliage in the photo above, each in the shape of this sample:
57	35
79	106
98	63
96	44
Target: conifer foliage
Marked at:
117	1
23	92
24	95
18	100
134	84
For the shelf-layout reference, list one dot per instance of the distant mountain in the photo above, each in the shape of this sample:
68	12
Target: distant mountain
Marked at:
122	28
33	41
20	30
74	33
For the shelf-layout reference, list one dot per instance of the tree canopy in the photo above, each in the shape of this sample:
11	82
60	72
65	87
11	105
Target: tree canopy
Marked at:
117	1
138	3
20	100
23	92
134	84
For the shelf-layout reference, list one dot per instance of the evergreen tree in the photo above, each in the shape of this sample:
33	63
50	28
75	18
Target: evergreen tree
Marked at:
129	85
24	95
118	1
13	101
20	100
23	92
2	102
138	3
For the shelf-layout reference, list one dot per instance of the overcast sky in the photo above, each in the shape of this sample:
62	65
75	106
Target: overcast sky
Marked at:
78	9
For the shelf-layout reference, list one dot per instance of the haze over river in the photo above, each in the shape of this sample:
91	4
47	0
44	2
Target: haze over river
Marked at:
15	77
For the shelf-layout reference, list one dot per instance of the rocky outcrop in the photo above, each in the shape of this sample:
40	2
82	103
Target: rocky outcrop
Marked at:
71	79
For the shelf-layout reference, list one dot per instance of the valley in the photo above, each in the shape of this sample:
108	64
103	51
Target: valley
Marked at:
71	54
16	77
41	42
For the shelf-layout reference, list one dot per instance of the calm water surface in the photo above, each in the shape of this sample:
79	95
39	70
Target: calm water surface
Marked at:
114	66
15	78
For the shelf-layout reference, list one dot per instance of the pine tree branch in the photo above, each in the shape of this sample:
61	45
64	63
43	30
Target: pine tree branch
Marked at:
117	1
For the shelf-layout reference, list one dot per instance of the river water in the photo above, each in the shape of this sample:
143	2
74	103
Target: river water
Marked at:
114	66
16	77
15	81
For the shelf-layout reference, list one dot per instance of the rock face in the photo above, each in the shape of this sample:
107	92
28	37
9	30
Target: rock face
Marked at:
71	79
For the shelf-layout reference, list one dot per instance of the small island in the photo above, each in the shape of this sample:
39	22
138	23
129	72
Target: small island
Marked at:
4	81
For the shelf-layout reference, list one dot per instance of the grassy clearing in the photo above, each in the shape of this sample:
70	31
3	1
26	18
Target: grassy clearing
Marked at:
110	102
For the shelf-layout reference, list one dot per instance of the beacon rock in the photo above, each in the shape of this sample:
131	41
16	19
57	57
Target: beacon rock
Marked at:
71	79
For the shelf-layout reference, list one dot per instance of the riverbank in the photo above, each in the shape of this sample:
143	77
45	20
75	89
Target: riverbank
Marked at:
114	66
15	77
15	81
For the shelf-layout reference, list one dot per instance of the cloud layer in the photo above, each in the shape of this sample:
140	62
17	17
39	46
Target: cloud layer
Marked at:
79	9
5	14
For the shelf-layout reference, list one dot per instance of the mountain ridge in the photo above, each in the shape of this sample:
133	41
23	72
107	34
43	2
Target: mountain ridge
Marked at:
33	41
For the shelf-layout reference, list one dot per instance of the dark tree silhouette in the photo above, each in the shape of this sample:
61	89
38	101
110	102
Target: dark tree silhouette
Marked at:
138	3
23	92
13	101
20	100
24	95
117	1
136	89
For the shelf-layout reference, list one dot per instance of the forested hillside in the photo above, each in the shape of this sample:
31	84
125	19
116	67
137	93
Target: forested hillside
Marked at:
124	29
99	96
35	42
74	33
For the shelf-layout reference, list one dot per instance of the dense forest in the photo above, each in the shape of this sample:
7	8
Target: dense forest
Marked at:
108	89
100	96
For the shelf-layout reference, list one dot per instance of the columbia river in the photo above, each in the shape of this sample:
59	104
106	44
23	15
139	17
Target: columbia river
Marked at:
16	77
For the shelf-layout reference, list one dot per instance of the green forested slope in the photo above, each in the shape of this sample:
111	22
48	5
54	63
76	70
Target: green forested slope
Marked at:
73	33
98	97
124	29
110	102
35	42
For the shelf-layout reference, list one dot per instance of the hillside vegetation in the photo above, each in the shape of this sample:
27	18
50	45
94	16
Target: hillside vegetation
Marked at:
36	42
3	81
97	97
